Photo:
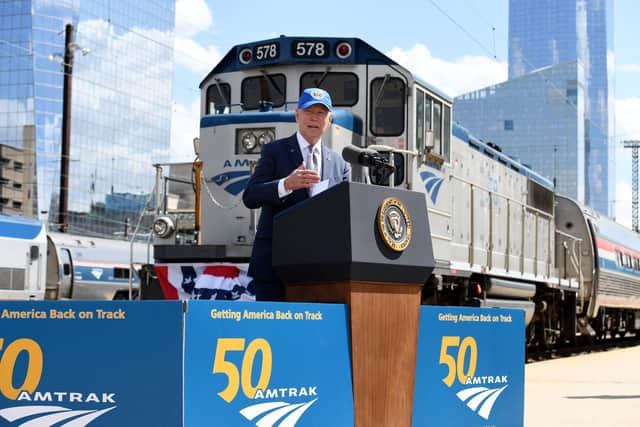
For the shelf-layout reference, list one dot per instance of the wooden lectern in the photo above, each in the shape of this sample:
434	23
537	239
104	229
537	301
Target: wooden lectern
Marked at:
368	247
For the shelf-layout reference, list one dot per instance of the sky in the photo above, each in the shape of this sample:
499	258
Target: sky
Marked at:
455	45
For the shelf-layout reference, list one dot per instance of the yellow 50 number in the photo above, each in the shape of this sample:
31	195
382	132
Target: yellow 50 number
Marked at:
7	363
457	364
235	377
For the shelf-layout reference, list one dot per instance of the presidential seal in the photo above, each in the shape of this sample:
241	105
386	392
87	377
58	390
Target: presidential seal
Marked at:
394	224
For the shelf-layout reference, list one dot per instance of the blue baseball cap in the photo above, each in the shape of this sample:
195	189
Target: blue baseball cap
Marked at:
313	96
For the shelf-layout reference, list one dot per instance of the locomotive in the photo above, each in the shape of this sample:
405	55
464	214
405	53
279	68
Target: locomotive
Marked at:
501	235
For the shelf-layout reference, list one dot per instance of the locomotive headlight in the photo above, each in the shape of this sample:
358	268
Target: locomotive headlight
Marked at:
163	226
249	142
265	137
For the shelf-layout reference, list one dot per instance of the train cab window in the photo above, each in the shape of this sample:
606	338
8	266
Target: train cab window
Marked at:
420	128
446	132
218	98
267	87
343	87
433	125
386	106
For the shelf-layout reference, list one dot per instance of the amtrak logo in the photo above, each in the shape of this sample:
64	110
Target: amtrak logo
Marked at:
282	413
233	182
48	416
97	272
432	184
481	399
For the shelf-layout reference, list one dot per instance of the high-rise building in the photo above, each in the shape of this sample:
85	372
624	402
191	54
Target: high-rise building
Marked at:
120	105
550	32
537	118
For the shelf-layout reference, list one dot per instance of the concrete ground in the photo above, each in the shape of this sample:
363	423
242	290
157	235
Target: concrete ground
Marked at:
590	390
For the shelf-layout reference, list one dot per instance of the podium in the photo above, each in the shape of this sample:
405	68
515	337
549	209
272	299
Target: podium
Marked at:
368	247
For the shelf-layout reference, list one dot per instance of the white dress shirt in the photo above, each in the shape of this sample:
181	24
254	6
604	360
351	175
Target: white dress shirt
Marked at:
303	144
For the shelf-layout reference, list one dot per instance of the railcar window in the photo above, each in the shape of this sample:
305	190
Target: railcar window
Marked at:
627	260
268	87
343	87
619	259
218	98
120	273
387	106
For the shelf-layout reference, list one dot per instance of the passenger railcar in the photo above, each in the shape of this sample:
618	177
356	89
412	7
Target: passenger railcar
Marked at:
498	238
97	268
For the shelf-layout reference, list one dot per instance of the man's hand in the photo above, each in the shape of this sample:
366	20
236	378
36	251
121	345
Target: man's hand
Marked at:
301	178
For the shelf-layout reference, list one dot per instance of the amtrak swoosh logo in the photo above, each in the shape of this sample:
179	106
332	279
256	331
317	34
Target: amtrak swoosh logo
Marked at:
233	182
480	399
48	416
287	414
96	272
432	184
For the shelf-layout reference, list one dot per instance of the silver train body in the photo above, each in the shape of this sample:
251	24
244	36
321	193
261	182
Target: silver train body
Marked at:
501	236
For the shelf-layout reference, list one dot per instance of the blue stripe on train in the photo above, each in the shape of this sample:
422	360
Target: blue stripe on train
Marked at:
18	227
342	118
98	274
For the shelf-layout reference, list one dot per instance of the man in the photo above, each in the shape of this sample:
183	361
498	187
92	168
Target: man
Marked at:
288	168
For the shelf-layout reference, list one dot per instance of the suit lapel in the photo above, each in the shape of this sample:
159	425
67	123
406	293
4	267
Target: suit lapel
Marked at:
295	157
326	162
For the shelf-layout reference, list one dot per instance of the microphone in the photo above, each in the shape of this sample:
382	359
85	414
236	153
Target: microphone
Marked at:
365	157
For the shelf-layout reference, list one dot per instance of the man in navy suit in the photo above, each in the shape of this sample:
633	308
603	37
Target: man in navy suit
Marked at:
287	170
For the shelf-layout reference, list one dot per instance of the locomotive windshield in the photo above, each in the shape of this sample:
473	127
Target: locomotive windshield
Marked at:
267	87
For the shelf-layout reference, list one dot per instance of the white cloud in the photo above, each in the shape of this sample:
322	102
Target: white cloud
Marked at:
185	125
452	77
192	16
195	57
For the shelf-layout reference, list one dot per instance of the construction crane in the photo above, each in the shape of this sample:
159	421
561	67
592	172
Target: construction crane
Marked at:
634	145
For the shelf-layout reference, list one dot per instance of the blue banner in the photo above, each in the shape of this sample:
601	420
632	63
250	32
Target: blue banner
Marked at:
269	363
73	363
470	367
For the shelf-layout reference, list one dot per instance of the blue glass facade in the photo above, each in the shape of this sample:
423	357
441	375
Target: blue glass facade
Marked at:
537	118
120	108
550	32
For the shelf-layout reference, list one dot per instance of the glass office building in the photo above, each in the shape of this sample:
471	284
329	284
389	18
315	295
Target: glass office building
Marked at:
120	107
537	118
550	32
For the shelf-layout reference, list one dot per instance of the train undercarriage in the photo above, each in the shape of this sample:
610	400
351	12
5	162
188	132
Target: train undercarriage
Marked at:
554	317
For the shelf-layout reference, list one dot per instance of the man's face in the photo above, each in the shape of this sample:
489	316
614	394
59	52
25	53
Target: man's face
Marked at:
313	121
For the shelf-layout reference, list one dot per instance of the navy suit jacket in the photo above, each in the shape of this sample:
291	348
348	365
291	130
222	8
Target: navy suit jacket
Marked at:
277	161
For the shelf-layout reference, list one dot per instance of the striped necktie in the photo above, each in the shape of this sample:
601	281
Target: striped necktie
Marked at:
312	158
